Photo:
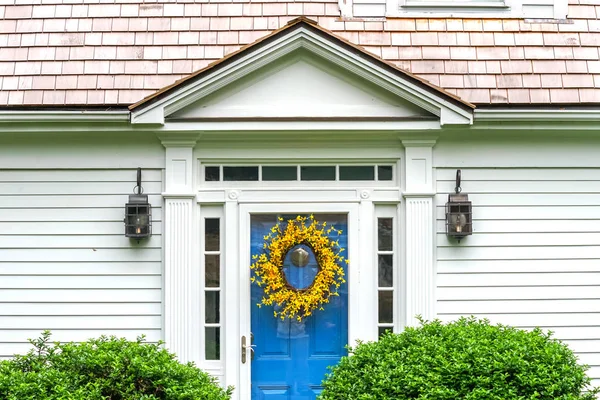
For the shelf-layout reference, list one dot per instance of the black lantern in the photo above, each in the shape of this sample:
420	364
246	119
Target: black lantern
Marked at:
138	213
459	215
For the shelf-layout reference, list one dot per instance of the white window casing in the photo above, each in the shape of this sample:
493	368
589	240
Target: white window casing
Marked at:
528	9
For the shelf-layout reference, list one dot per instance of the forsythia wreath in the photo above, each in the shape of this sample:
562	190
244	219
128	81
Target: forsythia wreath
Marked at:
268	267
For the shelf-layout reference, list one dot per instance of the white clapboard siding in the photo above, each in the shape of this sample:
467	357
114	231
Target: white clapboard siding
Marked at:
72	200
534	256
470	307
31	228
81	335
76	241
78	295
491	266
530	226
68	214
82	268
32	309
65	263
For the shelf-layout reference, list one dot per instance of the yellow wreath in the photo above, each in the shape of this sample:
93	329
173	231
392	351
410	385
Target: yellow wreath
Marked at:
268	267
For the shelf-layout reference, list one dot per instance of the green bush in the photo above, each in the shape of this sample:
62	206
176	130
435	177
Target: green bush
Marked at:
103	369
468	359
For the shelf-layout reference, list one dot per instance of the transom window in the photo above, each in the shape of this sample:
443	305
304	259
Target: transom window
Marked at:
287	173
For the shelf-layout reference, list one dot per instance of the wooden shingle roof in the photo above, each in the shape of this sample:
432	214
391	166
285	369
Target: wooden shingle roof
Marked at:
59	53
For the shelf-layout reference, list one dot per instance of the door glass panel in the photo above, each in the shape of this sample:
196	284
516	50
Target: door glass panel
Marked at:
291	357
300	266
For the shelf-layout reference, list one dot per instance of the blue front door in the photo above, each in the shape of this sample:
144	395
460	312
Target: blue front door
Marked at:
291	357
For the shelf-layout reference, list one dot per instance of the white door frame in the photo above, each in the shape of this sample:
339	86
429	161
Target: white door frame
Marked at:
242	296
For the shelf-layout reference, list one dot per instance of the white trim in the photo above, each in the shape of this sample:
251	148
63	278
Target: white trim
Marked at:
454	9
182	289
211	211
420	262
544	115
302	126
368	284
398	281
419	230
63	116
435	103
356	274
235	327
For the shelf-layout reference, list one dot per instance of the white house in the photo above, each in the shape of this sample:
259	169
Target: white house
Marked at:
365	128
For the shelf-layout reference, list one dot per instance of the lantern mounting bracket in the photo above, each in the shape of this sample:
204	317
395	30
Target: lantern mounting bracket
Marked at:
138	189
457	188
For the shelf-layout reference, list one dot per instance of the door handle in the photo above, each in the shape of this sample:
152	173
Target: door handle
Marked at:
246	348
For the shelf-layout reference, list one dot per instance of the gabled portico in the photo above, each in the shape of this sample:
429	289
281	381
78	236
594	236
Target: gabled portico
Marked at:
295	100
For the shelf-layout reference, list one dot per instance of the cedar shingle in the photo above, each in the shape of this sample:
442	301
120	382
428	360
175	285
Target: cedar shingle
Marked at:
118	51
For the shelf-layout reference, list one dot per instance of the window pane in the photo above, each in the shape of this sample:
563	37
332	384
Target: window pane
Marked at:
211	234
279	173
212	270
357	173
318	173
211	307
386	277
212	174
385	234
212	343
384	329
384	173
240	173
386	306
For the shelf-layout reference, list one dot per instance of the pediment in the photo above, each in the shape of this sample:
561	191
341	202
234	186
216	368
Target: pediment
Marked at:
301	72
301	86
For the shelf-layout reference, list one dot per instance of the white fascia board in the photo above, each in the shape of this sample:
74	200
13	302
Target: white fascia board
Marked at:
300	126
543	115
41	116
189	93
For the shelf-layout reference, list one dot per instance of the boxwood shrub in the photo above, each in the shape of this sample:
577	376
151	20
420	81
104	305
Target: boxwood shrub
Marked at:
103	369
468	359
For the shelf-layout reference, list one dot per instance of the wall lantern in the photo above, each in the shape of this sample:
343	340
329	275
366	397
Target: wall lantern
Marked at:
459	222
138	213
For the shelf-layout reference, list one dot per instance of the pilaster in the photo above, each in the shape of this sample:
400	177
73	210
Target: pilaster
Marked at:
420	231
182	292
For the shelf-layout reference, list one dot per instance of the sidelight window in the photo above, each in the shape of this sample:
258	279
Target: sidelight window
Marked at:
212	321
387	271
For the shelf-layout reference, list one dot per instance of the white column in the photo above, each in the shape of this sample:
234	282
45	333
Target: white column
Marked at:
420	231
181	259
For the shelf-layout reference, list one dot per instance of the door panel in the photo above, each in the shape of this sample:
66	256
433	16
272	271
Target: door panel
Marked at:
291	357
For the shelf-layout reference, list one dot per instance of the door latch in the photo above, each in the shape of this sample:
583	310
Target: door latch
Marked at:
247	348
